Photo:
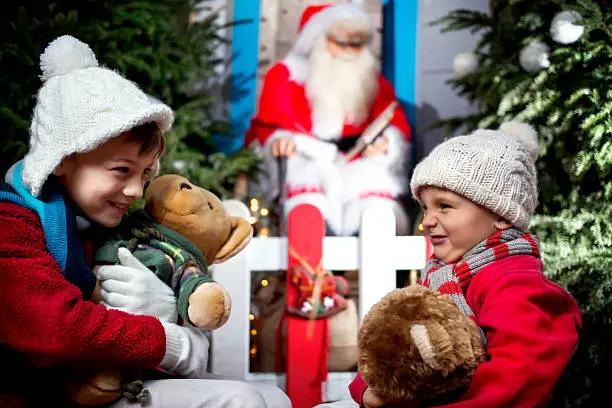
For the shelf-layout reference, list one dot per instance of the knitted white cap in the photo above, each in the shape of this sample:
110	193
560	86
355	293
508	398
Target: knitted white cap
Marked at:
493	168
80	106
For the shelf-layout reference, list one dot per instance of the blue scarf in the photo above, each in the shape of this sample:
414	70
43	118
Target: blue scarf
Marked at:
58	218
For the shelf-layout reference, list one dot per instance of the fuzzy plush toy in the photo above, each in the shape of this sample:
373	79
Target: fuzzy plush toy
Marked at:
182	231
417	346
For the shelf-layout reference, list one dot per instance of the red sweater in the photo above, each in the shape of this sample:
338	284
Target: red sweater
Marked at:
531	326
45	325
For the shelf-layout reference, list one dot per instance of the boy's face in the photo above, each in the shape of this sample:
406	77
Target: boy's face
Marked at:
455	224
104	182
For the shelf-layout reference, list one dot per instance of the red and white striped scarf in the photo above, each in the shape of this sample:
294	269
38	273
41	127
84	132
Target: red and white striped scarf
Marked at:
454	279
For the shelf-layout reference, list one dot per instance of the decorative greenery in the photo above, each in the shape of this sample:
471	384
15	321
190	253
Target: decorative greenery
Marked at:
570	104
153	44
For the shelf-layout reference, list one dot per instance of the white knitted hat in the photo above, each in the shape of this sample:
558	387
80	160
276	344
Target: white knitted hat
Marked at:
493	168
80	106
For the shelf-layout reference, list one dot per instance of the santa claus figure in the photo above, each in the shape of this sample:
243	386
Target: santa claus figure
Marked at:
315	104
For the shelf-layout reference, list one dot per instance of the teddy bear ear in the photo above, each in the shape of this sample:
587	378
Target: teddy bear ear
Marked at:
432	341
241	235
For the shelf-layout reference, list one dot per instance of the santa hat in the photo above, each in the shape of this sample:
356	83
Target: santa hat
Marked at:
318	19
80	106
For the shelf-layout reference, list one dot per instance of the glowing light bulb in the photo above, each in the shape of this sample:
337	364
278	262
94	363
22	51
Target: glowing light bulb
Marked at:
254	204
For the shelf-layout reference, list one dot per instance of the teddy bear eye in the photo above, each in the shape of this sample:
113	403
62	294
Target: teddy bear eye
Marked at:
185	186
210	206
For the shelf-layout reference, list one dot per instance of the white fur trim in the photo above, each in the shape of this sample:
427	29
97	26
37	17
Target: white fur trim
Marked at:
297	66
316	199
354	210
314	148
371	174
399	148
302	171
322	21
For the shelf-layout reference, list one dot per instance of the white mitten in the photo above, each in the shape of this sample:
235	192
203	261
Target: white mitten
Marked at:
133	288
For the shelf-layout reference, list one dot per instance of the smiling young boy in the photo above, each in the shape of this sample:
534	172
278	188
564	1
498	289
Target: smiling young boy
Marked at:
478	193
95	139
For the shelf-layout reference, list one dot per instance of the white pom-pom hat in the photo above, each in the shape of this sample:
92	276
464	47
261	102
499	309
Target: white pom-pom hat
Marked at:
79	107
493	168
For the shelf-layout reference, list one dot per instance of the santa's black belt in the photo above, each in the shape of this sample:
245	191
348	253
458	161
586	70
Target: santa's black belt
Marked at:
346	143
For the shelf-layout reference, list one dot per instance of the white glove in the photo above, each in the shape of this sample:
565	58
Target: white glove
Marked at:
133	288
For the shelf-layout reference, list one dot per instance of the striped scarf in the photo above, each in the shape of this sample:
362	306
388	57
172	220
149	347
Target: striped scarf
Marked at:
454	279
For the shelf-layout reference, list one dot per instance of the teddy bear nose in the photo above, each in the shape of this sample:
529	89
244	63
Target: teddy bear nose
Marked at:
185	186
210	206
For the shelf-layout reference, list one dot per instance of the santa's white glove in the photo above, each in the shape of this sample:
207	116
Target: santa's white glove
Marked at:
133	288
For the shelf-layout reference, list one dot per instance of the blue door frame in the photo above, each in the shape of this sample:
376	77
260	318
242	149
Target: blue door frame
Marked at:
399	50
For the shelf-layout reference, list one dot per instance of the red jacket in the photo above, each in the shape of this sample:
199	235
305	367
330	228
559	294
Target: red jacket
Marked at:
531	326
46	326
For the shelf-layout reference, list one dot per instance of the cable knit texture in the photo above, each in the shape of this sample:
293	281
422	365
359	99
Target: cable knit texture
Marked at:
80	106
176	343
493	168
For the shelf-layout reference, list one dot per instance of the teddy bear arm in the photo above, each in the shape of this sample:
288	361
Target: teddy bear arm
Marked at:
190	278
209	306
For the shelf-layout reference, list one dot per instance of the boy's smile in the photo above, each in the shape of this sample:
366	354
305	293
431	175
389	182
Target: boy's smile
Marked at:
104	182
455	224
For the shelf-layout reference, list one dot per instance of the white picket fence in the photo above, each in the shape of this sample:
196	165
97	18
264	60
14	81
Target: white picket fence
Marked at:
377	254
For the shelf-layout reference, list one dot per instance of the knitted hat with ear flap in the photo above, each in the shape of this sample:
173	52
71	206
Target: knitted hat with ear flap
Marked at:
79	107
493	168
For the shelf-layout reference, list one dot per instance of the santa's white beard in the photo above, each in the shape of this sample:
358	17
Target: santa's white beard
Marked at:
340	90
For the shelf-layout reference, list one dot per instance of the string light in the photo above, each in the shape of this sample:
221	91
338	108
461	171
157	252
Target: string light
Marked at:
421	227
254	205
253	350
264	212
264	282
251	317
252	219
253	332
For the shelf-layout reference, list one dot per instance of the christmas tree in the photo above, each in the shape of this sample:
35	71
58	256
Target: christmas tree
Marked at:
156	44
549	63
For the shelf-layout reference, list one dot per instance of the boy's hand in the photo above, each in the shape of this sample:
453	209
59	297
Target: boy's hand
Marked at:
133	288
372	400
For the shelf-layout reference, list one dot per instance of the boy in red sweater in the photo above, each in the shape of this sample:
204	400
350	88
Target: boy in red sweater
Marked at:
95	139
477	193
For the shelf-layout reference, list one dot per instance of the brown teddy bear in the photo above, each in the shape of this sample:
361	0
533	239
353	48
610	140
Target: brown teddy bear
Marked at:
416	346
182	230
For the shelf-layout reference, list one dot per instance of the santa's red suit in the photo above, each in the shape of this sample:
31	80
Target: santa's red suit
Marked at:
318	173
